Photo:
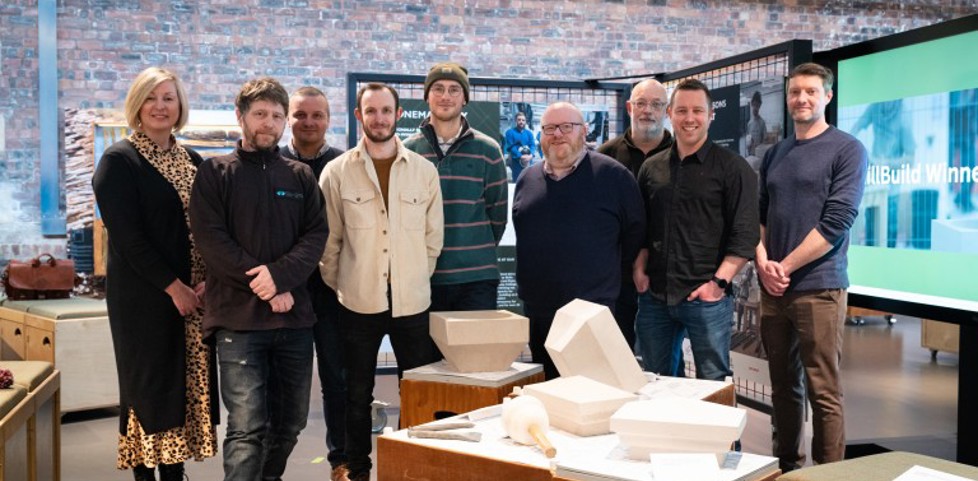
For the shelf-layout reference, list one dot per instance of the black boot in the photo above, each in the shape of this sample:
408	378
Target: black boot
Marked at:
171	472
142	473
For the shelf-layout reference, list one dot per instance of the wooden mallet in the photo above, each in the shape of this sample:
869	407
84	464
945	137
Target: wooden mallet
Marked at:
526	422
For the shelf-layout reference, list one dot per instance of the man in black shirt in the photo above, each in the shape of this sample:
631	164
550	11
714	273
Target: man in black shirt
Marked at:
646	137
701	203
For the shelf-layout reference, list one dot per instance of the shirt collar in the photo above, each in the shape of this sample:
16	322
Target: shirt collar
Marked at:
550	173
449	142
699	155
295	152
666	140
364	156
257	156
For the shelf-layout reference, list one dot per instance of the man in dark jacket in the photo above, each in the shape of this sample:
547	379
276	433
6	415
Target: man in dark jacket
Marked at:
646	137
257	219
309	120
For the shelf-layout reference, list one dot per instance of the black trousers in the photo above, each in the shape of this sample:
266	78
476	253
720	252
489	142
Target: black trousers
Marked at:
362	335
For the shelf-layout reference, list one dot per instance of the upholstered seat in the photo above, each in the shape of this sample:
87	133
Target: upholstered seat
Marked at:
29	374
73	308
878	467
10	397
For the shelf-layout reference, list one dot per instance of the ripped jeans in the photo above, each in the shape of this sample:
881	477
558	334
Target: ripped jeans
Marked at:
265	379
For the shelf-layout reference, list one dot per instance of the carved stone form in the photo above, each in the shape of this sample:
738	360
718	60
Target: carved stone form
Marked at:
585	340
479	341
579	405
677	425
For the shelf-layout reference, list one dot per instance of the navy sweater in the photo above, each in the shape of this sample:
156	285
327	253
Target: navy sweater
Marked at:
573	236
814	183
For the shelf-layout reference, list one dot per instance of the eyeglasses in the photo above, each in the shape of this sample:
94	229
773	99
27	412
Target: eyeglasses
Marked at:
642	105
453	91
566	128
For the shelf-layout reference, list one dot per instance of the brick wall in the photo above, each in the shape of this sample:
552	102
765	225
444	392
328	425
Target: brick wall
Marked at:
216	45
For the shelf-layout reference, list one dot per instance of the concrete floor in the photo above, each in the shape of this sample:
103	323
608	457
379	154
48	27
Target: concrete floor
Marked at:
895	396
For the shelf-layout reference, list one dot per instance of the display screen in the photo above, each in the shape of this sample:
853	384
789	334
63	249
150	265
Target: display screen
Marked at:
915	108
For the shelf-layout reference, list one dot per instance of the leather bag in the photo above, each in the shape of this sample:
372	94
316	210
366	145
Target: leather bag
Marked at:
39	278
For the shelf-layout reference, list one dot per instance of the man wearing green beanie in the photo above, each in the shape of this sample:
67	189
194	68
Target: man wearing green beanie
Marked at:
474	188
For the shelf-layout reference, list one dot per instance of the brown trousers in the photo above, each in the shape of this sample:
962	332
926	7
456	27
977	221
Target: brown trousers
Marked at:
802	334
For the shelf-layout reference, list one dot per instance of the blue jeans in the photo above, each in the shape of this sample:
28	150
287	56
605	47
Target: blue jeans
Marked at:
470	296
709	325
517	168
332	374
362	335
265	378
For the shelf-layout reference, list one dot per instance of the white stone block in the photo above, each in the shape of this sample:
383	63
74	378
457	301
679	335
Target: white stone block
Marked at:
579	405
479	341
677	425
585	340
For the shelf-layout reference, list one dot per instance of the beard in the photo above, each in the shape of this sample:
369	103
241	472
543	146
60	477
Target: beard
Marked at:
805	117
647	130
563	153
263	144
382	136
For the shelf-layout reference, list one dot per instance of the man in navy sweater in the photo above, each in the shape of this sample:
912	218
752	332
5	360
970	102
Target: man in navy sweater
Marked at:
811	186
579	219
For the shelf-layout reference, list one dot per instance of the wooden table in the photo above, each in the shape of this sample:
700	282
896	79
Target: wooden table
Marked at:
771	477
498	458
399	459
424	392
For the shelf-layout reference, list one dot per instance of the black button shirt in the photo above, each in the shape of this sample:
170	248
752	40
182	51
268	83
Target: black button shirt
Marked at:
700	209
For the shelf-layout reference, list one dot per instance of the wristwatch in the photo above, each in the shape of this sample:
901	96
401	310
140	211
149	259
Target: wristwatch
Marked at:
721	283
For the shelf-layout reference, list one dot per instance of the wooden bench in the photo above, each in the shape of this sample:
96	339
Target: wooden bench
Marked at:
74	335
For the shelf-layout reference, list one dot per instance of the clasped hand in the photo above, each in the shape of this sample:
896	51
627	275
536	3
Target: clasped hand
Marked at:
262	285
774	278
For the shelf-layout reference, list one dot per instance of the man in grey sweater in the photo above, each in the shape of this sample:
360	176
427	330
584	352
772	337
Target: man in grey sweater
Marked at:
811	186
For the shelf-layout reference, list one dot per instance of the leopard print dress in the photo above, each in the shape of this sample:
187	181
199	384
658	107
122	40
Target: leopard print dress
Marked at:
197	439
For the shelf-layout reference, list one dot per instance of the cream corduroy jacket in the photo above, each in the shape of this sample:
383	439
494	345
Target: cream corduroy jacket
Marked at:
371	246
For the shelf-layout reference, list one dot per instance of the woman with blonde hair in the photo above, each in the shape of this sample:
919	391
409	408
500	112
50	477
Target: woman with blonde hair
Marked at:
155	286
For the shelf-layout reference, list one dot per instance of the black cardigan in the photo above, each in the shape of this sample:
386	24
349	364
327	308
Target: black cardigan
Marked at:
149	247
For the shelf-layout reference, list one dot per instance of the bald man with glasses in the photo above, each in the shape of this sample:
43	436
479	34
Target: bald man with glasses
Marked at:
579	220
645	137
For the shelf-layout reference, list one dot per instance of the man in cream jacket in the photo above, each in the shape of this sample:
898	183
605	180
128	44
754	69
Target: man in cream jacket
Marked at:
384	209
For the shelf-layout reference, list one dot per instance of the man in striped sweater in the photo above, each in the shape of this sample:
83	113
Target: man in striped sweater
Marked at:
474	191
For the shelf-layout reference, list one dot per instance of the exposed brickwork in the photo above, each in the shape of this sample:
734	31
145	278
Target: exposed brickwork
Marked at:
216	45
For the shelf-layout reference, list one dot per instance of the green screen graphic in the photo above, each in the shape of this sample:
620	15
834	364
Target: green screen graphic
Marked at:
938	66
915	109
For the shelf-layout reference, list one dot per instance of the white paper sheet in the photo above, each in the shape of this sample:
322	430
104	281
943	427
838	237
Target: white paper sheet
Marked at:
685	466
920	473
